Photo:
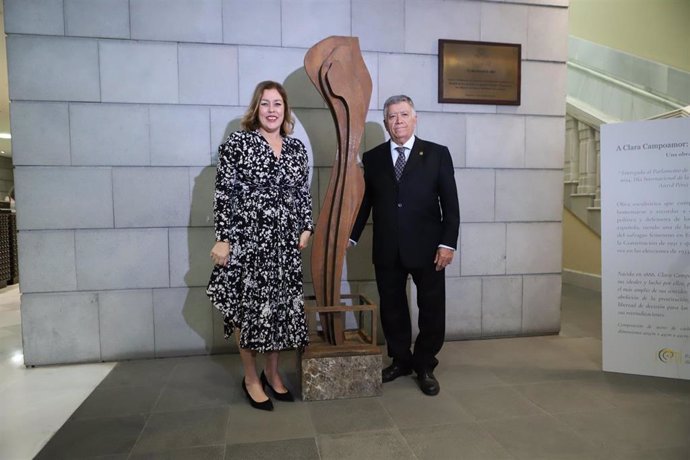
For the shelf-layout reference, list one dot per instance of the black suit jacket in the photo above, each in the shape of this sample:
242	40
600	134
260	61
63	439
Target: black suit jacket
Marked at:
413	216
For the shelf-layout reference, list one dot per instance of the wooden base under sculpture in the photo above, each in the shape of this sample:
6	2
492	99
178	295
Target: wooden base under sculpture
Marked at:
349	370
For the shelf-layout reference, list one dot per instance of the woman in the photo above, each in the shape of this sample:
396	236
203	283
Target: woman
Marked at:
262	214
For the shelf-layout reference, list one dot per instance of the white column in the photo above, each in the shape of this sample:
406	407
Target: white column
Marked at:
587	159
597	165
572	146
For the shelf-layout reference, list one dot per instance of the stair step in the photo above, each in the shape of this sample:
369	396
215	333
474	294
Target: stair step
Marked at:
569	188
579	202
594	219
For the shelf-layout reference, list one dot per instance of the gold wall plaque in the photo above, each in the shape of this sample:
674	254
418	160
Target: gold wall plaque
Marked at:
478	72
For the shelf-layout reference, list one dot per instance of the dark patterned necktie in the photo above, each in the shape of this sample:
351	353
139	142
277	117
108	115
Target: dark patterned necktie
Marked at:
400	162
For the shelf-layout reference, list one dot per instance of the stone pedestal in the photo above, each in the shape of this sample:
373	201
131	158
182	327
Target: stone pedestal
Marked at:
338	377
341	363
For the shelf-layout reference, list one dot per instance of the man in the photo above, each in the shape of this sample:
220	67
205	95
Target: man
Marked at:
411	189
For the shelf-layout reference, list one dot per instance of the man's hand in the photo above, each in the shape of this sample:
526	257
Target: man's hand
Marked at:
444	257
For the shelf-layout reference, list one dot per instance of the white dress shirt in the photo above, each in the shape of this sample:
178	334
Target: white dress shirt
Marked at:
408	148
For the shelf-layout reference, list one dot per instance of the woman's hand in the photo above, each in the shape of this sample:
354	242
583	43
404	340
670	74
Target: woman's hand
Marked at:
220	253
304	239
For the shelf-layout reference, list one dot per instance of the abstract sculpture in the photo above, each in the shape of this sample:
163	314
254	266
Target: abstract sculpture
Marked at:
336	67
340	362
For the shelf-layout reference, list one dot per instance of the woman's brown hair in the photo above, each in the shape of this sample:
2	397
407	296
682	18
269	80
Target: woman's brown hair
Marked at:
250	120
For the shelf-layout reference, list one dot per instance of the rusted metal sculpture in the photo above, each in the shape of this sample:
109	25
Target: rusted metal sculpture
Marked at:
336	67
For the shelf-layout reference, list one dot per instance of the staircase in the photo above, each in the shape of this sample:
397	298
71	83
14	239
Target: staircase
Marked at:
582	181
602	88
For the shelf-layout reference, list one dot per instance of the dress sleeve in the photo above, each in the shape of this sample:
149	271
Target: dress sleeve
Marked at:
224	195
303	194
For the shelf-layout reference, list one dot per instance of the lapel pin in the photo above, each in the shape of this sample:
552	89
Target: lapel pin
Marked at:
421	153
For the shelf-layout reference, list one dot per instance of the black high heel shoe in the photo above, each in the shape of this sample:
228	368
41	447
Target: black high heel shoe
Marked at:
287	396
265	405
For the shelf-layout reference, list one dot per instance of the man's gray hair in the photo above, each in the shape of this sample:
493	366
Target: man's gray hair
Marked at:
398	98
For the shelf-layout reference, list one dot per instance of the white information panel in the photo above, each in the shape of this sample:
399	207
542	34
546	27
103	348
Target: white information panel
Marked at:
645	245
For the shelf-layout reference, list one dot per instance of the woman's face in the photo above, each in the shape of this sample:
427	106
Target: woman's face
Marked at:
271	111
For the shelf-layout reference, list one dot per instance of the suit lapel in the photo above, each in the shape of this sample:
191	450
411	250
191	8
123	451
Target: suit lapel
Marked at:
384	155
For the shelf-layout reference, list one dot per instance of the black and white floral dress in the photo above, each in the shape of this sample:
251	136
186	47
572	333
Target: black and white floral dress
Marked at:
261	206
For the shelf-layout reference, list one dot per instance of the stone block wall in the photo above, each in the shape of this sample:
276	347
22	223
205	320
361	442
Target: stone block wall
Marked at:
117	109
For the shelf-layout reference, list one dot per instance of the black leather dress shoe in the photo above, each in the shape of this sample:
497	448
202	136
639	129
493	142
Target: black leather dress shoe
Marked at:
394	371
428	383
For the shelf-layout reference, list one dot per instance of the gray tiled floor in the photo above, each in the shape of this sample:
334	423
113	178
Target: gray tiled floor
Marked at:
520	398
